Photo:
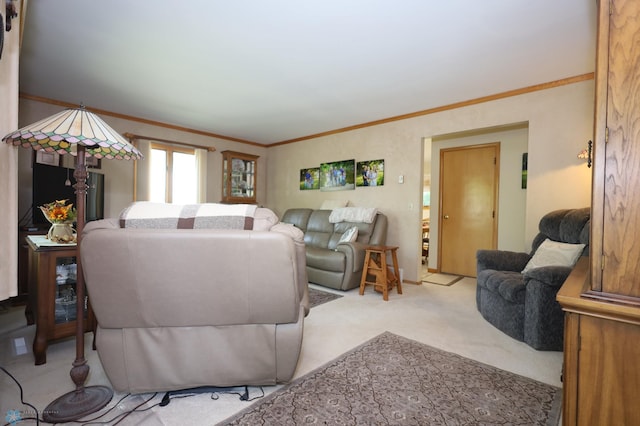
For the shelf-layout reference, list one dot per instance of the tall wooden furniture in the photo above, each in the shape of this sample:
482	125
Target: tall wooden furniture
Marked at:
602	296
239	173
23	265
52	293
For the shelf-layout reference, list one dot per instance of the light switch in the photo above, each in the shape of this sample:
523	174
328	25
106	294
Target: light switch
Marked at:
401	179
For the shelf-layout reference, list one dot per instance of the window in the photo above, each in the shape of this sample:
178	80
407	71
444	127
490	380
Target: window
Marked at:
173	174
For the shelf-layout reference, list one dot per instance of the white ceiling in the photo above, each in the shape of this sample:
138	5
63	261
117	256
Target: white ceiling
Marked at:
270	71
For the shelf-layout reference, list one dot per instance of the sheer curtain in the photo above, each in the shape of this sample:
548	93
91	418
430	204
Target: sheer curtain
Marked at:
143	172
9	163
201	161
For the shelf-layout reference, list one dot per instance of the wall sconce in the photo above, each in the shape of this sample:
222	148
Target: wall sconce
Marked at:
585	154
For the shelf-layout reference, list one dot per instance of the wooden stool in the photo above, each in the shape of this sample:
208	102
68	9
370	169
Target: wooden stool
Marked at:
375	265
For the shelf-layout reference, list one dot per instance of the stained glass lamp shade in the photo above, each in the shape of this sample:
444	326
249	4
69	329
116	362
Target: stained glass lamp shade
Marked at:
70	129
80	133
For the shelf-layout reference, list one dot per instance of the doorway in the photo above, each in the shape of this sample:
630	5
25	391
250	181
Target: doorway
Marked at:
469	177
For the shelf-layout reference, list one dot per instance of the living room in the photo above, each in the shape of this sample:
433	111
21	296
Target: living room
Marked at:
557	116
561	113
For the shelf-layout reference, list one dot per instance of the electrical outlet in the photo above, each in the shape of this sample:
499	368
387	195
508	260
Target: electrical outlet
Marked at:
401	179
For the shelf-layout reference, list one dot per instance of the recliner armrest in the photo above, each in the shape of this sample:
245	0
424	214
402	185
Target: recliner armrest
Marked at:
501	260
354	251
551	276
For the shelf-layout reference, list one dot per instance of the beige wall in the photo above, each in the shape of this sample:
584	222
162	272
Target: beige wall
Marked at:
560	122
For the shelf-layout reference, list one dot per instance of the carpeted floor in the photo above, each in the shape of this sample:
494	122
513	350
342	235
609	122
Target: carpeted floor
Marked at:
393	380
443	317
318	297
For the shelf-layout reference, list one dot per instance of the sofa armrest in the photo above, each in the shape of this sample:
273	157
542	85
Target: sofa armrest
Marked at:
354	253
379	235
551	276
501	260
108	223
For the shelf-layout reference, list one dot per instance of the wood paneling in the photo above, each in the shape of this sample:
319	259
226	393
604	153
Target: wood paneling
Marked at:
621	225
608	371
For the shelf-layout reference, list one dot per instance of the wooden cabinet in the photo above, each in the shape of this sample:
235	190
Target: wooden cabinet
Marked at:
23	264
239	174
601	298
601	348
52	293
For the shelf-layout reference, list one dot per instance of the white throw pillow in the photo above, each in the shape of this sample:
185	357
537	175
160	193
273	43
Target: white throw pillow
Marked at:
349	236
553	253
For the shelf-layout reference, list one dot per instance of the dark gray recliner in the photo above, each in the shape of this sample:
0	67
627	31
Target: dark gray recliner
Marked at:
521	305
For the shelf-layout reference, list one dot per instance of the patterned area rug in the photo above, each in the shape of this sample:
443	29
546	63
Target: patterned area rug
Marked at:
392	380
317	297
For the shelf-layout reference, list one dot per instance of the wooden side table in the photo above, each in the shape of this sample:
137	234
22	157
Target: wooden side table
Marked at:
52	289
375	265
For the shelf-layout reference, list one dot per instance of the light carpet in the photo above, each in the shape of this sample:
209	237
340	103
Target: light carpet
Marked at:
441	279
393	380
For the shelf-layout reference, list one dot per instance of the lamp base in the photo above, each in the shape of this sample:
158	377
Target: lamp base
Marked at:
77	404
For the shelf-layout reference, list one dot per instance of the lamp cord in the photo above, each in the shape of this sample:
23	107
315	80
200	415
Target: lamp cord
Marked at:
12	421
19	417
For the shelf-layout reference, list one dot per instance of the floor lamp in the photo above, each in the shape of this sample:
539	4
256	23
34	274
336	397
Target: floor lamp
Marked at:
80	133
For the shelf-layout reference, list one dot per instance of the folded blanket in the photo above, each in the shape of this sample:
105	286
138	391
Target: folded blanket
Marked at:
145	214
353	214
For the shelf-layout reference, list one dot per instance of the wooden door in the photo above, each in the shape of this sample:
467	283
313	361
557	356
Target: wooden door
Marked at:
468	206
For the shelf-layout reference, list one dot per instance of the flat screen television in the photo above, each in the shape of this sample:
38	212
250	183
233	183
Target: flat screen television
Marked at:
48	186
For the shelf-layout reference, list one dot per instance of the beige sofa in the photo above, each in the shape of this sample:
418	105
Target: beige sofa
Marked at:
330	262
183	308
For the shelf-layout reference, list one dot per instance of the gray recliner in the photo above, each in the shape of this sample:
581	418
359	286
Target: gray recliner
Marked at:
523	305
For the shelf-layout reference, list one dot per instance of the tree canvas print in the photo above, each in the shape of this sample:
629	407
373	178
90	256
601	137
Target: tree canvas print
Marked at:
337	176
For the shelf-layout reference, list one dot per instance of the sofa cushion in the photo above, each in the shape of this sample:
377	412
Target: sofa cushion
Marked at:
508	284
298	217
554	253
327	260
319	229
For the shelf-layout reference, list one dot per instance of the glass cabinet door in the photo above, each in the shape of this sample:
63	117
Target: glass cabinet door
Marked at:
65	290
238	177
